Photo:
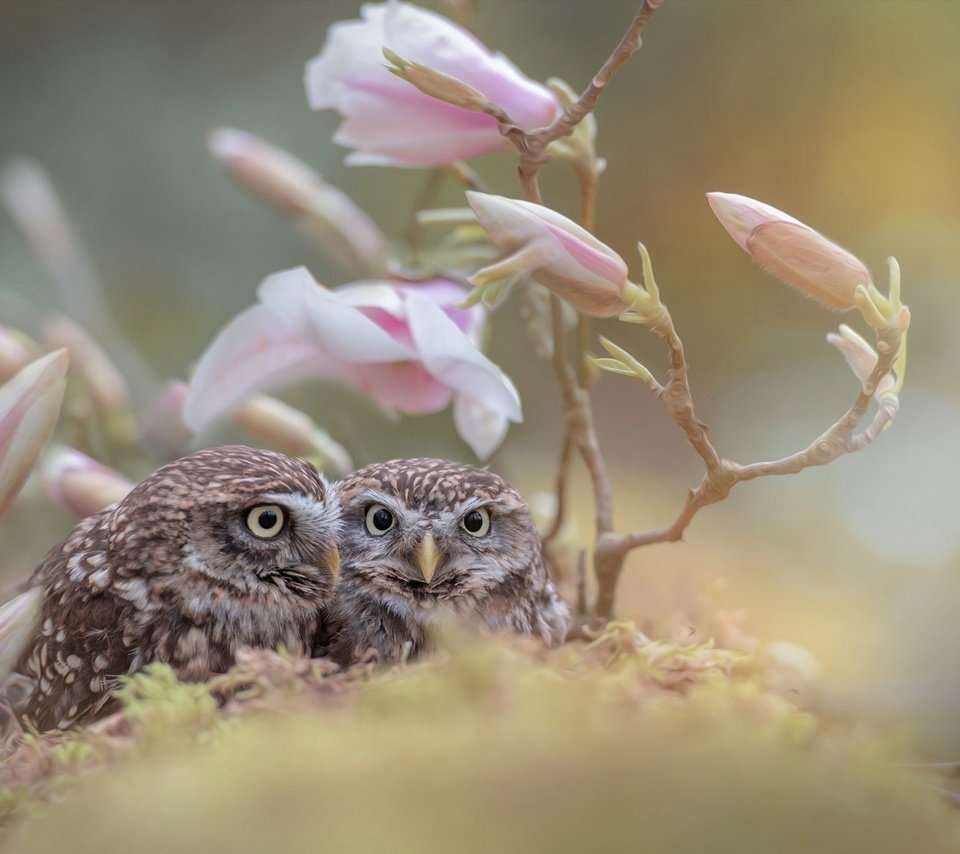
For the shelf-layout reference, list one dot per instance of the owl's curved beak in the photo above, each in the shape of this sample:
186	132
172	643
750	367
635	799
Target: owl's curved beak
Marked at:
333	561
428	556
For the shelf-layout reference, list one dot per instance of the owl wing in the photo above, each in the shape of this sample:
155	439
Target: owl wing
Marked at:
87	636
530	604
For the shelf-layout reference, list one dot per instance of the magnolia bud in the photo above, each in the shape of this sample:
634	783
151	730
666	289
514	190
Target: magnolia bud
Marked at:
792	251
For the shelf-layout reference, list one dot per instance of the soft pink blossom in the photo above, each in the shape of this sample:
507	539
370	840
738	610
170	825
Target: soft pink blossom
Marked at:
80	484
555	251
408	347
792	251
386	120
29	408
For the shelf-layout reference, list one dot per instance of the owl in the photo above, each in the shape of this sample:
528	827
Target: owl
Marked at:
426	540
228	547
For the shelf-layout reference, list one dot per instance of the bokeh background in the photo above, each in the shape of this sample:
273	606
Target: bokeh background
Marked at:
844	114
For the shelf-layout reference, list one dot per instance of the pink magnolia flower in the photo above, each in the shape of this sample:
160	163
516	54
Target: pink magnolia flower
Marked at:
29	408
409	348
555	251
80	484
792	251
386	120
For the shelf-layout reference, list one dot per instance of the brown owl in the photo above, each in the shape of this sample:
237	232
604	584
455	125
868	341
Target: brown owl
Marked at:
225	548
425	540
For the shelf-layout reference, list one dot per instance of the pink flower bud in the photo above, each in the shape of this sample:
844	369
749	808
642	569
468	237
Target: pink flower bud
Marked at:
29	408
19	619
164	422
792	251
555	251
79	483
386	120
16	352
278	178
291	431
106	384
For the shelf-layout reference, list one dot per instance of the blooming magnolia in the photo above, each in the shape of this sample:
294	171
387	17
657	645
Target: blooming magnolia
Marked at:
408	347
79	483
555	251
386	120
792	251
280	179
29	408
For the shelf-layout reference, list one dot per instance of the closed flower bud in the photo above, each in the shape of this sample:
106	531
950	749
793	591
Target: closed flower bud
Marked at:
792	251
291	431
29	408
555	251
80	484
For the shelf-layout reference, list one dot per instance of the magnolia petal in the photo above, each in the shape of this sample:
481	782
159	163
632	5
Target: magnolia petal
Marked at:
452	358
321	318
29	409
19	619
255	351
482	428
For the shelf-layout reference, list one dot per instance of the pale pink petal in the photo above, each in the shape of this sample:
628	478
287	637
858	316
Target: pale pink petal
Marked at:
325	321
450	356
482	428
404	387
255	351
29	409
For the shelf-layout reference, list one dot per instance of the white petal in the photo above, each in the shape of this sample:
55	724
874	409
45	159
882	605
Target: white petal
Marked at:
323	319
450	356
255	351
480	427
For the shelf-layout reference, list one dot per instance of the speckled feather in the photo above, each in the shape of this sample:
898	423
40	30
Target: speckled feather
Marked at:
384	607
172	574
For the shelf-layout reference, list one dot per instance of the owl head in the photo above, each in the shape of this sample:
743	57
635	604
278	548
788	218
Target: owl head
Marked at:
425	536
231	524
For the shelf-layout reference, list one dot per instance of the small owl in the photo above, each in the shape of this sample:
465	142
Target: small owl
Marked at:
225	548
425	540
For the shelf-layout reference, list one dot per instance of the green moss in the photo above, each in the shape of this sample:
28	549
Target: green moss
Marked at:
492	746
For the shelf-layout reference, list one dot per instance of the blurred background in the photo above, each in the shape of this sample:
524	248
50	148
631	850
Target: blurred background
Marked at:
843	114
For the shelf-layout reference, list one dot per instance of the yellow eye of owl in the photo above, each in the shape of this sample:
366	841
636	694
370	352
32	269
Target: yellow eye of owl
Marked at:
266	520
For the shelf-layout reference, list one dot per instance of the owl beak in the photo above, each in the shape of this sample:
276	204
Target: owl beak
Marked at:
333	561
428	556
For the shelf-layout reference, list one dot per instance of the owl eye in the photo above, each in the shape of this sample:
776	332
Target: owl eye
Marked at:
379	520
266	521
476	523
